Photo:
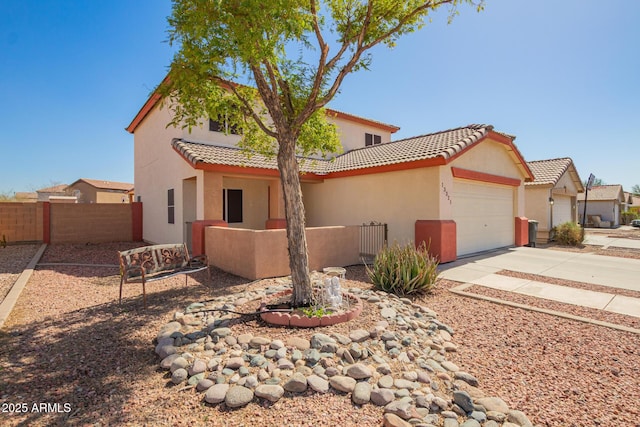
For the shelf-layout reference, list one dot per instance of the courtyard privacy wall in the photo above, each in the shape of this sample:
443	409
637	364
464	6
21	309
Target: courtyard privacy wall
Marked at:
259	254
70	223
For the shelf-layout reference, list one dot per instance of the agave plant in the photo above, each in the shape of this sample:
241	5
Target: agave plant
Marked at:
404	270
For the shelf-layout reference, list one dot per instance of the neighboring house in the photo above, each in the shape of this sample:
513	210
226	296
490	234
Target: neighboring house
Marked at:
551	198
99	191
461	190
56	193
632	203
22	196
605	201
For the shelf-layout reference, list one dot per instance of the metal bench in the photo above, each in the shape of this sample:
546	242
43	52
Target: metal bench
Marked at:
157	262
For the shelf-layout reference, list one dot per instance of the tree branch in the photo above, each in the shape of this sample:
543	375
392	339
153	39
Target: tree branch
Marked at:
270	99
246	103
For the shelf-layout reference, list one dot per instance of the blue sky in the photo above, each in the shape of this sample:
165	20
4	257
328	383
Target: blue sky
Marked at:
563	76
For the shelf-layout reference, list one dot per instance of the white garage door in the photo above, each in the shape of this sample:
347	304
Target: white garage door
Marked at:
561	209
484	216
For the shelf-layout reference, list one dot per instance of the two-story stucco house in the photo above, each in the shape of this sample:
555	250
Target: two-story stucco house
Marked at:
461	190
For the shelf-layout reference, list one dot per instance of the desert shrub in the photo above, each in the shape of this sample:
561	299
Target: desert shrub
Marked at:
404	270
569	233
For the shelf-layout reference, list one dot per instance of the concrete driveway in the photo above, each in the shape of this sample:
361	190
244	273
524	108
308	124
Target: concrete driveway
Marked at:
612	272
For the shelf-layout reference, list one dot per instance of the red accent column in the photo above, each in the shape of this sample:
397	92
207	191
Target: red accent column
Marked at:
439	236
136	221
46	222
275	223
522	231
197	234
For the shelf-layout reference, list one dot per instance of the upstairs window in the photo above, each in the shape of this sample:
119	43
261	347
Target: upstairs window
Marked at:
371	139
221	125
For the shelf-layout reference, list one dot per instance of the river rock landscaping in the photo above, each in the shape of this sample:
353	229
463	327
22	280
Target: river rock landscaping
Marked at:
399	363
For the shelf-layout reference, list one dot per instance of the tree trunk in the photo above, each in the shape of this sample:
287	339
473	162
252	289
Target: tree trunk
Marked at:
294	214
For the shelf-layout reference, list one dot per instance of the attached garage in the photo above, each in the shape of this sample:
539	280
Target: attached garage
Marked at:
562	209
484	216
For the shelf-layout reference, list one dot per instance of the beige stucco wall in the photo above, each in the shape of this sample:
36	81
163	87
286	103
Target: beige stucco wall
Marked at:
400	198
158	168
607	209
91	194
352	133
256	254
255	201
492	158
537	203
397	198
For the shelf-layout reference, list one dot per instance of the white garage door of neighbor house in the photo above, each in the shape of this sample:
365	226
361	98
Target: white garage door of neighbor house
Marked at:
484	216
561	209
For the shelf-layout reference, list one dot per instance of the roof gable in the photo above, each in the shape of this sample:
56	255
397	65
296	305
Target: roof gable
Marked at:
105	185
549	172
60	188
605	192
155	98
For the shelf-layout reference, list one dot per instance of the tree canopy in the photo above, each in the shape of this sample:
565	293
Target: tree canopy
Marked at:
274	64
271	67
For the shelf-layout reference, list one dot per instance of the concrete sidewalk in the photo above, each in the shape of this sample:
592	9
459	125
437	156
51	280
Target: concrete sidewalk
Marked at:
622	273
607	241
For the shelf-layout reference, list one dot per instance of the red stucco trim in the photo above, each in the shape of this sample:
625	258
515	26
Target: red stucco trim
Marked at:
198	246
362	120
484	177
439	236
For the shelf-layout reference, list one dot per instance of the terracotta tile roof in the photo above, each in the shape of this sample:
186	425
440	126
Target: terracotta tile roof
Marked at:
106	185
604	192
445	144
197	153
548	171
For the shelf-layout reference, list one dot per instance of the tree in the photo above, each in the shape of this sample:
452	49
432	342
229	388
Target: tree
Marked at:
636	190
270	68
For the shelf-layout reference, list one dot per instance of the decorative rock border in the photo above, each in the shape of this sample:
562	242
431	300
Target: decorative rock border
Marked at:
300	321
399	364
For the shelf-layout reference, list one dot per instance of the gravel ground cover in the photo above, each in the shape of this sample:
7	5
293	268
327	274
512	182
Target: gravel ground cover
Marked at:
13	259
69	342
